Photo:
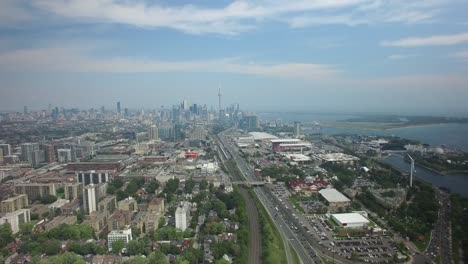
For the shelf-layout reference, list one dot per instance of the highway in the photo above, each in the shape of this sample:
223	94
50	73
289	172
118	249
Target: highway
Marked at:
302	242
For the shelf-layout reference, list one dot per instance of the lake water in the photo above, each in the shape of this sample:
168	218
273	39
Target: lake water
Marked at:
450	135
456	183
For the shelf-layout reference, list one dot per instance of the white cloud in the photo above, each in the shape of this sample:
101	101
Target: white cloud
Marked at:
460	55
437	40
76	60
402	56
239	15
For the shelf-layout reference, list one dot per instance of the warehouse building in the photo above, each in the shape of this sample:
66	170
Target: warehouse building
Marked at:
351	220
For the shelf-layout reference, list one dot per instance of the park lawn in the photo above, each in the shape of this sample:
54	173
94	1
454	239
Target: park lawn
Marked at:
422	245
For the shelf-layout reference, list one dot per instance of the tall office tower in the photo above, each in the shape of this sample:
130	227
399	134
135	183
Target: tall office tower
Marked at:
126	112
176	114
185	105
27	151
49	152
153	133
6	149
297	129
25	110
38	157
118	107
103	110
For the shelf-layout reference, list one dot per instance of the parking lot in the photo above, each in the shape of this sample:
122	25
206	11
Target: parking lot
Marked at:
379	249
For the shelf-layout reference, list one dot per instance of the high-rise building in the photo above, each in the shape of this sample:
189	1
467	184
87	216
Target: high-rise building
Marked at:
27	151
182	216
49	152
118	107
125	235
6	148
199	133
185	105
90	198
1	155
166	132
297	129
25	110
64	155
250	122
153	133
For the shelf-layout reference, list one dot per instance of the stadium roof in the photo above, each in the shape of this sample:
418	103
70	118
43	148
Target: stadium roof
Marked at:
333	196
350	218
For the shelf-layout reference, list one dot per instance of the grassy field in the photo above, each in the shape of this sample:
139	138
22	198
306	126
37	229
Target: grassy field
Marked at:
295	257
422	245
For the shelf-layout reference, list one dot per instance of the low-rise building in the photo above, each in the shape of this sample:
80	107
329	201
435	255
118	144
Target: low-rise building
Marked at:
14	203
125	235
351	220
334	198
35	190
128	204
16	218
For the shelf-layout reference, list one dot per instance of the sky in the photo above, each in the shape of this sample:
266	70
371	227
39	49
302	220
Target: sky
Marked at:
393	56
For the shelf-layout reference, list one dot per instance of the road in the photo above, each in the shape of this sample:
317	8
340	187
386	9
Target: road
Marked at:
303	243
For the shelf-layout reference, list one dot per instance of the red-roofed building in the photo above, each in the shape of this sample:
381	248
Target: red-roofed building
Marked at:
307	188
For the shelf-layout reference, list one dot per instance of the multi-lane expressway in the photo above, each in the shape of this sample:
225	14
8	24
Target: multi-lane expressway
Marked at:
303	242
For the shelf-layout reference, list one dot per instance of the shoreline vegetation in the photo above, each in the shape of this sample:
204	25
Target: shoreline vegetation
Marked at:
378	126
387	122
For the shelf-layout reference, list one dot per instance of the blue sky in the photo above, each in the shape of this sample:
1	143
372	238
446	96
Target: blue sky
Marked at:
322	55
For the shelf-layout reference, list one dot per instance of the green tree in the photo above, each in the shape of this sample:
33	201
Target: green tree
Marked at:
52	247
48	199
135	247
6	235
117	246
157	258
26	229
66	258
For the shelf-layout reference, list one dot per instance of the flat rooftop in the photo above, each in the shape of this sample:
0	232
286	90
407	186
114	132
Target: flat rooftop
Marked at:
333	196
286	140
350	218
262	136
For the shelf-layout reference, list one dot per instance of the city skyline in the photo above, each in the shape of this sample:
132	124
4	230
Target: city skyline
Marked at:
354	55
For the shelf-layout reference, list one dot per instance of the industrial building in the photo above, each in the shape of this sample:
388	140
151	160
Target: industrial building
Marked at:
351	220
334	198
288	144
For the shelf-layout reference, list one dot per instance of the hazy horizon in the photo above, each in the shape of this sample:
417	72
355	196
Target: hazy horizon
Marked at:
353	55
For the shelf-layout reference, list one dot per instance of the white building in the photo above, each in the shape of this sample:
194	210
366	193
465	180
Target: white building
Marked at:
64	155
351	220
91	195
334	197
16	218
182	216
125	235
